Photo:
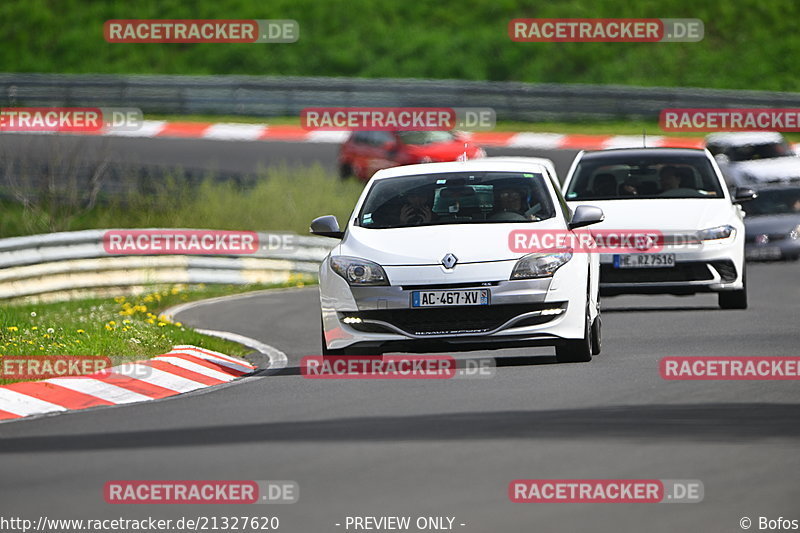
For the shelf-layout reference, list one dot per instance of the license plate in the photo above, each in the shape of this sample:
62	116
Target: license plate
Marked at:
445	298
644	261
769	252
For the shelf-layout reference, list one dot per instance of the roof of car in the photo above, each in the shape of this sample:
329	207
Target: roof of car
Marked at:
643	152
744	138
477	165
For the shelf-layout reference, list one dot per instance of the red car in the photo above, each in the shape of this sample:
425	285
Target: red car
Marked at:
366	152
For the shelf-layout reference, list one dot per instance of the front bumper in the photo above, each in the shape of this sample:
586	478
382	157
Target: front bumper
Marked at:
545	311
709	267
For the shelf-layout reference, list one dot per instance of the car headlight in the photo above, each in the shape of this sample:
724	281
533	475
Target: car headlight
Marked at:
359	272
540	265
795	233
714	234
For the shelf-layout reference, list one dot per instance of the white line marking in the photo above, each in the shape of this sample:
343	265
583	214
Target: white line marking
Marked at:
235	132
158	377
277	359
24	405
100	389
194	367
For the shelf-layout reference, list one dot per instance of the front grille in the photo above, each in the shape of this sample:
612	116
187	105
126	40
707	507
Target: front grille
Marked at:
680	272
772	237
450	320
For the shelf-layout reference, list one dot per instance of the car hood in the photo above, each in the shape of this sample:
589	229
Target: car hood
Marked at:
771	224
769	169
427	245
669	215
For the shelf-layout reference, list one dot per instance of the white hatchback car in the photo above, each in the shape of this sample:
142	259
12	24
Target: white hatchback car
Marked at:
697	242
425	264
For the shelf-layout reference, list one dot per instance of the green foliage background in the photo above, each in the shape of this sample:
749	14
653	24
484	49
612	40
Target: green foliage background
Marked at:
749	44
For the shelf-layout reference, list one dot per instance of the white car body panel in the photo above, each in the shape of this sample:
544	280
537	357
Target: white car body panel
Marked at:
678	218
413	255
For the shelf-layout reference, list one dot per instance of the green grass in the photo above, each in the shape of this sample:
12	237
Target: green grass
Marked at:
281	200
125	328
748	44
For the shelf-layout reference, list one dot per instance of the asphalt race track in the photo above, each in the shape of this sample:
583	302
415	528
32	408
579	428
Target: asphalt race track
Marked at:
204	155
450	448
433	447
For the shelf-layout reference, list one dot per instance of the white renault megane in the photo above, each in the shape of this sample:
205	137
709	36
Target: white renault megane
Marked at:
425	264
680	195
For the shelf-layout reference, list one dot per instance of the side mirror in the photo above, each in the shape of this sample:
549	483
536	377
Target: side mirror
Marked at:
326	226
743	194
586	215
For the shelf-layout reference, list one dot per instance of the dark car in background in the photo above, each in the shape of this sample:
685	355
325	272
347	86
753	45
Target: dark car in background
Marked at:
772	224
754	158
366	152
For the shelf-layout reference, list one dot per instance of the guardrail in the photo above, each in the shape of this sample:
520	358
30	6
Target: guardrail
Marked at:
69	261
286	96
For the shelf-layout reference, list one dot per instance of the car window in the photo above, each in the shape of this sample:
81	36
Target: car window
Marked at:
774	202
379	138
425	137
361	137
652	176
750	152
456	198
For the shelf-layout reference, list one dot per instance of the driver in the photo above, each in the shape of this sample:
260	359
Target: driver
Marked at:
417	209
669	178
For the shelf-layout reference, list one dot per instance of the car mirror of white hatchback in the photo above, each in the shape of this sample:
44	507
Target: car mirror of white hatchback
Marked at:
586	215
326	226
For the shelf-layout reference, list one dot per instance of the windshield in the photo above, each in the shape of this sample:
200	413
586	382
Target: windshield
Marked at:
425	137
774	202
759	151
456	198
656	176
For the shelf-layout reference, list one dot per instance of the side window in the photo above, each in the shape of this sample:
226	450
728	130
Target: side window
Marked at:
361	137
379	138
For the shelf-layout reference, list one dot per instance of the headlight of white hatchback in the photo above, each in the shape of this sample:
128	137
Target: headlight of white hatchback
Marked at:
718	233
540	265
359	272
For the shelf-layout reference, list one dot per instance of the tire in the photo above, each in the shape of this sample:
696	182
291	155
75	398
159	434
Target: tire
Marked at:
597	337
345	172
579	350
735	299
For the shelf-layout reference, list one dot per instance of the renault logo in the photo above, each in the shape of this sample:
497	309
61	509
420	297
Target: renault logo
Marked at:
449	261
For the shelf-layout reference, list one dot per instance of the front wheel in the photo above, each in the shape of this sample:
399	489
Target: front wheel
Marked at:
578	350
345	171
735	299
